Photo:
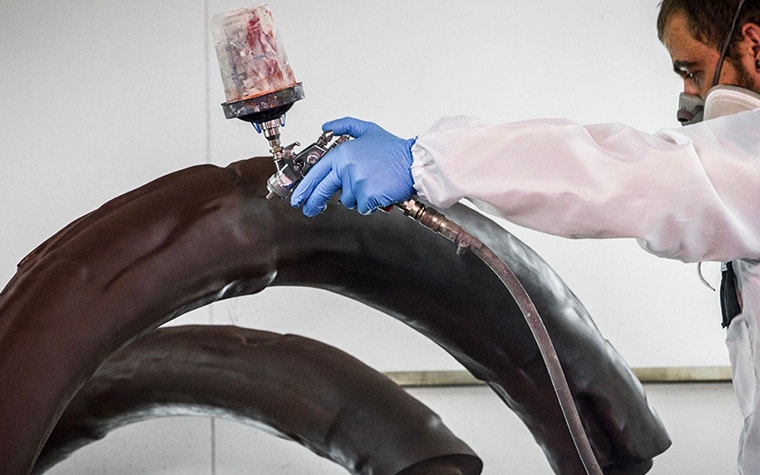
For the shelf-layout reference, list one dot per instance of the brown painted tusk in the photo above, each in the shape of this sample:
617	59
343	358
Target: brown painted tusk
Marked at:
299	388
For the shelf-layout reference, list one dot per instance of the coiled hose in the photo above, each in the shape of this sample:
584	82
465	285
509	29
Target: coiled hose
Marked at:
438	222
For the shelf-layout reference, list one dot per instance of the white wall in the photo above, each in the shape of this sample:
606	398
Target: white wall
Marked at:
99	97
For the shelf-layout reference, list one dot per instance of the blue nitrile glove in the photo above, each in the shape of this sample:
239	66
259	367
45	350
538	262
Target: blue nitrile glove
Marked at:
373	171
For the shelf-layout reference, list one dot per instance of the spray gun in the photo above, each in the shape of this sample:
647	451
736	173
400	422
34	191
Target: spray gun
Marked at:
260	88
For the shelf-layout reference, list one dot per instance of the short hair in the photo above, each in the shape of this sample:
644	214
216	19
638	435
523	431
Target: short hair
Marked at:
709	20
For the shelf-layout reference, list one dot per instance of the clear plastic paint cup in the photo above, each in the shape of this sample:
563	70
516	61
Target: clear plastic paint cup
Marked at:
252	58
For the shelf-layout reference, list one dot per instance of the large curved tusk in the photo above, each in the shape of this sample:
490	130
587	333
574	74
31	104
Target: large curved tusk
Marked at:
295	387
206	233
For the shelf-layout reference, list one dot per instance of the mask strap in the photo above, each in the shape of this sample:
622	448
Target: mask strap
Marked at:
727	44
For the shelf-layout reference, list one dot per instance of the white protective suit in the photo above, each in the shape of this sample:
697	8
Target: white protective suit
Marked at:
691	194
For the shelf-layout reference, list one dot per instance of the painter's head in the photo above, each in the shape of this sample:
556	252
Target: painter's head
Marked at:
695	33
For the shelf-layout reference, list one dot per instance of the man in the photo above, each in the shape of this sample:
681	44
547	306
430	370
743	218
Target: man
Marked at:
691	194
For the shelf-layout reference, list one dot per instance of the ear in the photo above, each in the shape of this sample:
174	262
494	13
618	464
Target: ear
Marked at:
751	41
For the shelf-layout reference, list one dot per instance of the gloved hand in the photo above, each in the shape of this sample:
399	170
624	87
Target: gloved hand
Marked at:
373	171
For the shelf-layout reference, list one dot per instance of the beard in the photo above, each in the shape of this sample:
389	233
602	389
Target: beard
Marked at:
744	78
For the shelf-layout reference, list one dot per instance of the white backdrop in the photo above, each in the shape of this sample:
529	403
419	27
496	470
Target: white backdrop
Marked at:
101	96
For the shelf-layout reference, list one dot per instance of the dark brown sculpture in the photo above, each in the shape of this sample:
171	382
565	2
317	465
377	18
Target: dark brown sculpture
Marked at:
207	233
299	388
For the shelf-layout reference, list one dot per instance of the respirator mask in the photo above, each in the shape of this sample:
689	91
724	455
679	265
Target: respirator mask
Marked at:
721	100
691	108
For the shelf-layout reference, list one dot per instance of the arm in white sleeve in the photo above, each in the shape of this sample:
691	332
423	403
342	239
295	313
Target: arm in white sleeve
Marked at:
690	194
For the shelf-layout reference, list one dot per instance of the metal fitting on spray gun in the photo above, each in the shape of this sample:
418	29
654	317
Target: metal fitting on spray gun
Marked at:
271	131
435	221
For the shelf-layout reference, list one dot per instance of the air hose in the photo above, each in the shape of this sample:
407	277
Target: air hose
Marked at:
438	222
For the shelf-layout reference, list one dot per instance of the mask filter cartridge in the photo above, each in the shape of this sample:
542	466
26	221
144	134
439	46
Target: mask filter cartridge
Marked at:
691	109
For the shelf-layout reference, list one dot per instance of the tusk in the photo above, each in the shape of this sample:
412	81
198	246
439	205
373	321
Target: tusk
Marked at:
295	387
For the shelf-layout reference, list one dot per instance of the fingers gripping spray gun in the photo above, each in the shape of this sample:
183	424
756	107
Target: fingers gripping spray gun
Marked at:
260	88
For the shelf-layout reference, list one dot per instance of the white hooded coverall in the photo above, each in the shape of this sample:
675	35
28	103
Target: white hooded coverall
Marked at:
691	194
